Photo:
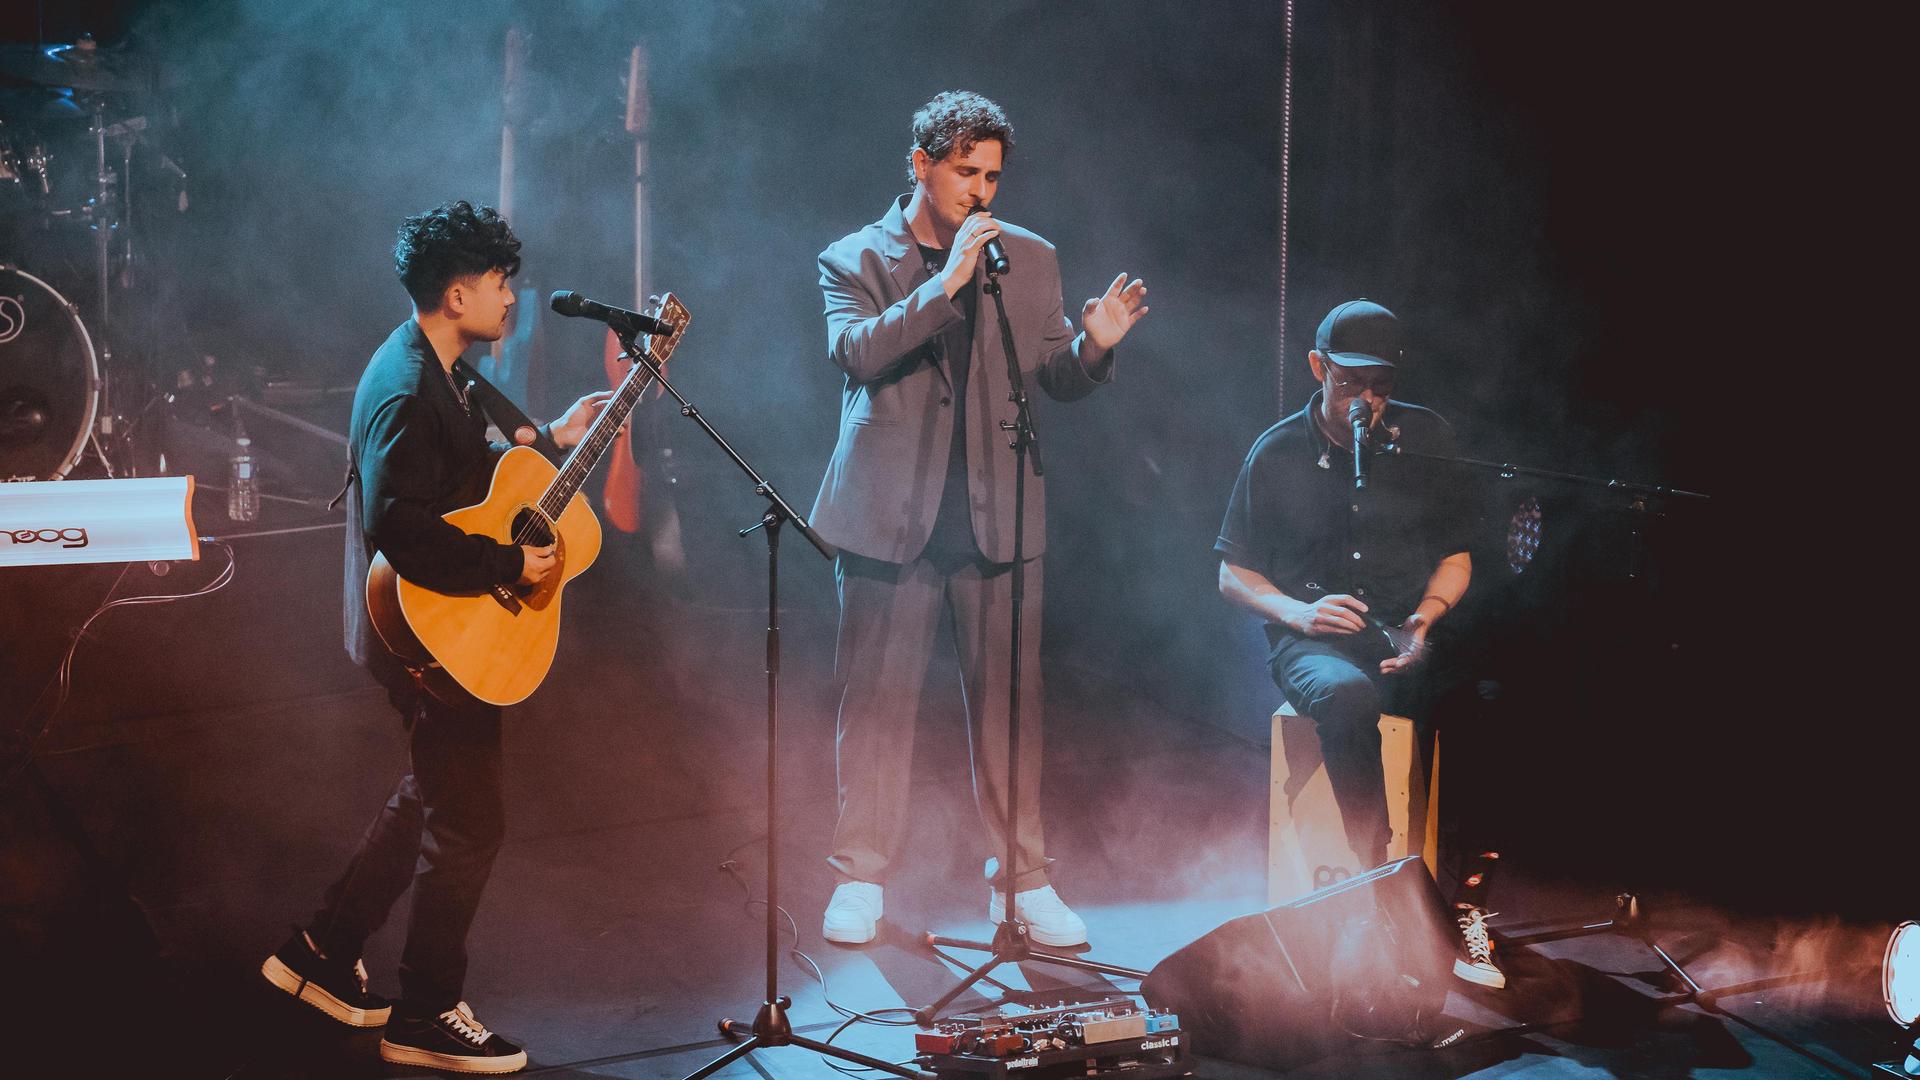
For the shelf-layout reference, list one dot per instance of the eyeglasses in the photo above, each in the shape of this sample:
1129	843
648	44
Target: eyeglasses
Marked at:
1352	382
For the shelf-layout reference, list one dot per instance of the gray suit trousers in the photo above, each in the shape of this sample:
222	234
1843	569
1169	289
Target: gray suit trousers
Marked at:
887	629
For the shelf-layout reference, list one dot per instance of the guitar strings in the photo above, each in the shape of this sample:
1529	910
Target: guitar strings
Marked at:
575	470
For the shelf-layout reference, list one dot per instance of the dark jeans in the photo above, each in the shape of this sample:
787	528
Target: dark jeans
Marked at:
439	832
1336	680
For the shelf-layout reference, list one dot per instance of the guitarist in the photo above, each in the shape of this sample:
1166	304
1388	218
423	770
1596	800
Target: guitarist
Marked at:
417	450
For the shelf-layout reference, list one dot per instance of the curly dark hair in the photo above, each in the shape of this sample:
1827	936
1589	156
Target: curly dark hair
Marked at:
952	122
450	242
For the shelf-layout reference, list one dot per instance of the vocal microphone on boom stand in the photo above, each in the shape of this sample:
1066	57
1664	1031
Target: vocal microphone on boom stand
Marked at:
1359	418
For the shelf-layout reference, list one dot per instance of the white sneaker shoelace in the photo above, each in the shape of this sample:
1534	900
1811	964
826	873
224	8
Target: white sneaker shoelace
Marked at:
1473	927
460	1019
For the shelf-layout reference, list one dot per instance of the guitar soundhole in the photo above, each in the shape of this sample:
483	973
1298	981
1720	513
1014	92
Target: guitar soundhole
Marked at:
531	528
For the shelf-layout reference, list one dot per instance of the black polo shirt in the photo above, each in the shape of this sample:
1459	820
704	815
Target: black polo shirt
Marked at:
1296	519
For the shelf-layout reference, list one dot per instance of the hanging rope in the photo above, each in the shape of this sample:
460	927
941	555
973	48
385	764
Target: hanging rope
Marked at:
1286	151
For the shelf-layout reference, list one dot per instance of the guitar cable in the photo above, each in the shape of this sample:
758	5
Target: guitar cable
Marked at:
62	681
731	867
880	1017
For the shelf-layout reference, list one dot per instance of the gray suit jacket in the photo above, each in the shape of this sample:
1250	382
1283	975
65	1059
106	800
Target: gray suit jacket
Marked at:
882	488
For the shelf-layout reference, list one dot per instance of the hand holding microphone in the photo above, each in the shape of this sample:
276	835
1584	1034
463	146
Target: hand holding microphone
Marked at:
978	235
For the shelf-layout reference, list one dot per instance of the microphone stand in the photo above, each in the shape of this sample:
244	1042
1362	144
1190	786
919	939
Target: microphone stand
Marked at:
1629	917
1508	470
1010	942
770	1026
1639	496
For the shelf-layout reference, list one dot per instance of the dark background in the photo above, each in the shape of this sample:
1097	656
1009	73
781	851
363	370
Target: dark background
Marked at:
1560	204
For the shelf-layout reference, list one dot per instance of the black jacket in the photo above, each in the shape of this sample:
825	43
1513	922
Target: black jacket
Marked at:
415	454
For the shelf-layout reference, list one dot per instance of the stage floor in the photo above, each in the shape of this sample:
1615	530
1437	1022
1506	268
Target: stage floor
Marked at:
224	758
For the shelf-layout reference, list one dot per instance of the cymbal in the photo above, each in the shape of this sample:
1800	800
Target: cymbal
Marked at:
82	66
39	105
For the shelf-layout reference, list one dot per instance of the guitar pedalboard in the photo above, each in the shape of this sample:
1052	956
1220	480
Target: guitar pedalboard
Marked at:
1115	1037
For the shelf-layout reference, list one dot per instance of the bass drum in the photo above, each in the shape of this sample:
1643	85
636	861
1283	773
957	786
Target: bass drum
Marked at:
49	380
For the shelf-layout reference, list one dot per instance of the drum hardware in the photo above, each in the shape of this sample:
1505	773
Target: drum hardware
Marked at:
50	382
82	66
50	179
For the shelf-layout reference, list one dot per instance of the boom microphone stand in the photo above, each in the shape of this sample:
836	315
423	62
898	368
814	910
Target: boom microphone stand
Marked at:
770	1026
1628	918
1010	942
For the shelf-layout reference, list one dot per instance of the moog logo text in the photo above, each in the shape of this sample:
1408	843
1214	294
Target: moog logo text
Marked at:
69	537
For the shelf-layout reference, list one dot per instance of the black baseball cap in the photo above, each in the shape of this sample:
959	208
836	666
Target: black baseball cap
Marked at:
1359	333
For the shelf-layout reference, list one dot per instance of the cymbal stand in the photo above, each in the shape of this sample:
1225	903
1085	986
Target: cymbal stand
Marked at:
101	220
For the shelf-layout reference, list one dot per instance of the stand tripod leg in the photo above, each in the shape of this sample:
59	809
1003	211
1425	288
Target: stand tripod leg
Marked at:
1695	993
829	1050
771	1029
932	1012
1075	962
725	1059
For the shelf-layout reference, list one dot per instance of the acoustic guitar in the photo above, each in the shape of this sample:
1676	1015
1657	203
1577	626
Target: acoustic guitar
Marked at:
497	645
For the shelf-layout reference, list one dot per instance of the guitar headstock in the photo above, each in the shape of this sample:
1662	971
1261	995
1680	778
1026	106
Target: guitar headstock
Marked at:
668	309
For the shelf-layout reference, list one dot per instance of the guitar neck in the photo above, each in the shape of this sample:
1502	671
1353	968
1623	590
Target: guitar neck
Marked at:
606	427
658	347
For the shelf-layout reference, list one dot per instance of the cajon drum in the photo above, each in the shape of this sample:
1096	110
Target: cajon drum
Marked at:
1306	838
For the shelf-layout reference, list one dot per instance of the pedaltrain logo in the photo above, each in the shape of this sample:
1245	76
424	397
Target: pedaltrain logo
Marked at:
69	537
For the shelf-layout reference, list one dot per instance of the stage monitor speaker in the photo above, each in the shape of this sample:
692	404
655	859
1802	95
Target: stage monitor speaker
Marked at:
1370	956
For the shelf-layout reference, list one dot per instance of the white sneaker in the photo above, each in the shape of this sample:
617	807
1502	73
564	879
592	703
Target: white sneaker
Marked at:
1476	965
853	915
1049	920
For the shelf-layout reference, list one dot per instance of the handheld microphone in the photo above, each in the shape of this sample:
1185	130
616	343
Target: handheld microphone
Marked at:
1359	418
622	321
994	256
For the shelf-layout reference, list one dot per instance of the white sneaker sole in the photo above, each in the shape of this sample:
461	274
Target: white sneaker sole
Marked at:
409	1055
850	937
1039	937
1052	942
1491	978
284	977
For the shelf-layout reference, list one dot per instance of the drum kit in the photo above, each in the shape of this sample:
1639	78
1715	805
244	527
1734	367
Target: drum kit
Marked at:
74	136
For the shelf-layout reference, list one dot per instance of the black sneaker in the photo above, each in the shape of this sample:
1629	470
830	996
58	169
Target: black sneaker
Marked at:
333	986
1475	963
453	1041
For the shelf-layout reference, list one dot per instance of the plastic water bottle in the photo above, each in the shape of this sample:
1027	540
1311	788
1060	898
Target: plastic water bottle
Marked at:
243	490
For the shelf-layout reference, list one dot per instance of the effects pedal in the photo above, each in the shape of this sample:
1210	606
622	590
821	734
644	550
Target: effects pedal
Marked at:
1095	1039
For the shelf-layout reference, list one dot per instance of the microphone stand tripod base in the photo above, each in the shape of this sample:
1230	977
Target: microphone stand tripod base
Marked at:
1011	944
771	1028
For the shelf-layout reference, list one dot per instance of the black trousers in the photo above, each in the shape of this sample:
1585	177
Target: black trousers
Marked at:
1336	680
439	832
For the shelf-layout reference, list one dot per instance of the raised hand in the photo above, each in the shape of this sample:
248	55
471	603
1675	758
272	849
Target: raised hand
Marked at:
1108	317
572	427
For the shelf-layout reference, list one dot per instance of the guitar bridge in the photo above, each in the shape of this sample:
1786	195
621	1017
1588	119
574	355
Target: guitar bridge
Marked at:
506	599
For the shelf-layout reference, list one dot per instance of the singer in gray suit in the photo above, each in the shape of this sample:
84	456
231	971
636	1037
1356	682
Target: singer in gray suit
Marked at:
919	496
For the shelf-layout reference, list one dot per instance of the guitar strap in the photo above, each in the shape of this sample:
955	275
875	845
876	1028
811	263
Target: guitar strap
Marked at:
499	408
505	415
